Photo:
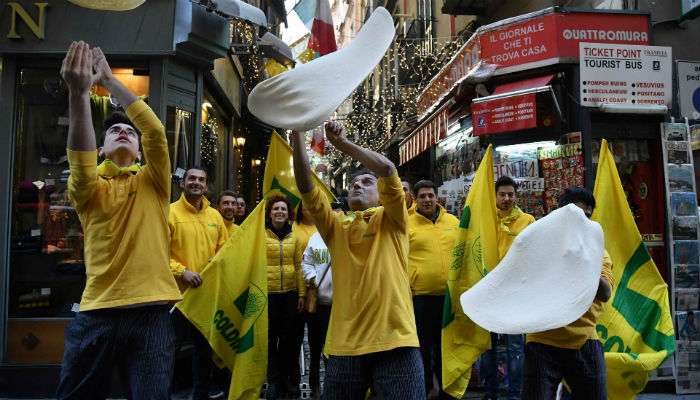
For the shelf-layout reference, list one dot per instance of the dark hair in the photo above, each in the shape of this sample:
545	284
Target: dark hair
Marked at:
575	194
410	186
229	193
117	117
276	199
424	184
506	181
362	171
197	167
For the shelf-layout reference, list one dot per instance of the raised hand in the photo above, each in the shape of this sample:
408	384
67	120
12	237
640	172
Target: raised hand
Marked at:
76	69
335	132
100	66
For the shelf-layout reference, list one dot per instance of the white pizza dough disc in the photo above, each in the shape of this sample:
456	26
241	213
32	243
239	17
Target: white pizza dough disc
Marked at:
548	278
303	98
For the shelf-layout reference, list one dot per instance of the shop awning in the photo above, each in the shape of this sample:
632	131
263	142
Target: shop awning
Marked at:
511	107
425	135
238	9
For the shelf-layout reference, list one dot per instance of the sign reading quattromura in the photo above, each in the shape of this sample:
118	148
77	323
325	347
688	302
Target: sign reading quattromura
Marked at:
625	74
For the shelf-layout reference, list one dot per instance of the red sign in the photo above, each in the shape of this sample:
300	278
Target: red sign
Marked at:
424	137
544	38
504	114
450	75
521	43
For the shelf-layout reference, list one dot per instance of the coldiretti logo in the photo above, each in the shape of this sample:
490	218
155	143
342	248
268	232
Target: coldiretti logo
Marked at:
212	225
369	235
250	304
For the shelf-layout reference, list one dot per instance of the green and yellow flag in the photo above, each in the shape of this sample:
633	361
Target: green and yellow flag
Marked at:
474	255
279	173
636	328
230	307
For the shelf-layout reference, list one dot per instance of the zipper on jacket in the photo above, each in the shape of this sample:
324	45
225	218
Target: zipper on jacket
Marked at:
282	264
281	270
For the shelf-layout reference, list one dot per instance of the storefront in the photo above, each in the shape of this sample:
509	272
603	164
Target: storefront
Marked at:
521	79
545	102
173	54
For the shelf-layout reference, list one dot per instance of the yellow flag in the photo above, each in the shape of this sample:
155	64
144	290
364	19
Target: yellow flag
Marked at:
230	306
636	328
279	173
274	68
474	255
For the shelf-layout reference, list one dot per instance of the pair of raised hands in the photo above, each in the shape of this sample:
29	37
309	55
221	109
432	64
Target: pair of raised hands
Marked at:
84	67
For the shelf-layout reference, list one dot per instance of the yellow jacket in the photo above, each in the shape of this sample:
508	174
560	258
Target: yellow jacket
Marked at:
372	306
505	239
303	232
574	335
230	227
284	262
194	237
430	251
125	219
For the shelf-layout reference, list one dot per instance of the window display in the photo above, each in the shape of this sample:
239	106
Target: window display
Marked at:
213	144
47	274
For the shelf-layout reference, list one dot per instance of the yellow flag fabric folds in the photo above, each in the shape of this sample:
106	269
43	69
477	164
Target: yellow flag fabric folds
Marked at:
636	328
279	173
474	255
230	307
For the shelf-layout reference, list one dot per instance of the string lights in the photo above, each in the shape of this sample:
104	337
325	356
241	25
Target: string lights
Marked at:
385	103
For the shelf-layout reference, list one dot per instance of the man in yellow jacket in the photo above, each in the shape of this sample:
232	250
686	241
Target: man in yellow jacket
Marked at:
123	207
373	331
408	193
511	220
227	205
431	232
573	352
197	232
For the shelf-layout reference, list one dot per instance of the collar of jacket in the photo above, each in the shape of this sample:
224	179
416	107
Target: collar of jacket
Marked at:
189	207
353	215
505	217
109	169
438	212
286	229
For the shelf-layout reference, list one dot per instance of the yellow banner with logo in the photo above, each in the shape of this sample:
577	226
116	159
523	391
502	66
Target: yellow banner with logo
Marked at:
279	173
230	306
474	255
636	328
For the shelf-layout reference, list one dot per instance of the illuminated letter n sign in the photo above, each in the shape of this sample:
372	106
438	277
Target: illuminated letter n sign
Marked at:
37	28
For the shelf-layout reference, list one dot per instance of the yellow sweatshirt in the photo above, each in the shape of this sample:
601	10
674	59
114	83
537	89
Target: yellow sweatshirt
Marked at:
372	307
194	237
574	335
303	232
430	251
505	239
230	227
125	219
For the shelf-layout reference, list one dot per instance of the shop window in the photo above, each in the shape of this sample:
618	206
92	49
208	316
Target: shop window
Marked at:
179	130
47	272
213	145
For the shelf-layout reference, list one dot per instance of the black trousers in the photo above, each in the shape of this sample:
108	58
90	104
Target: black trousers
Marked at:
281	357
311	321
583	369
428	312
138	341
